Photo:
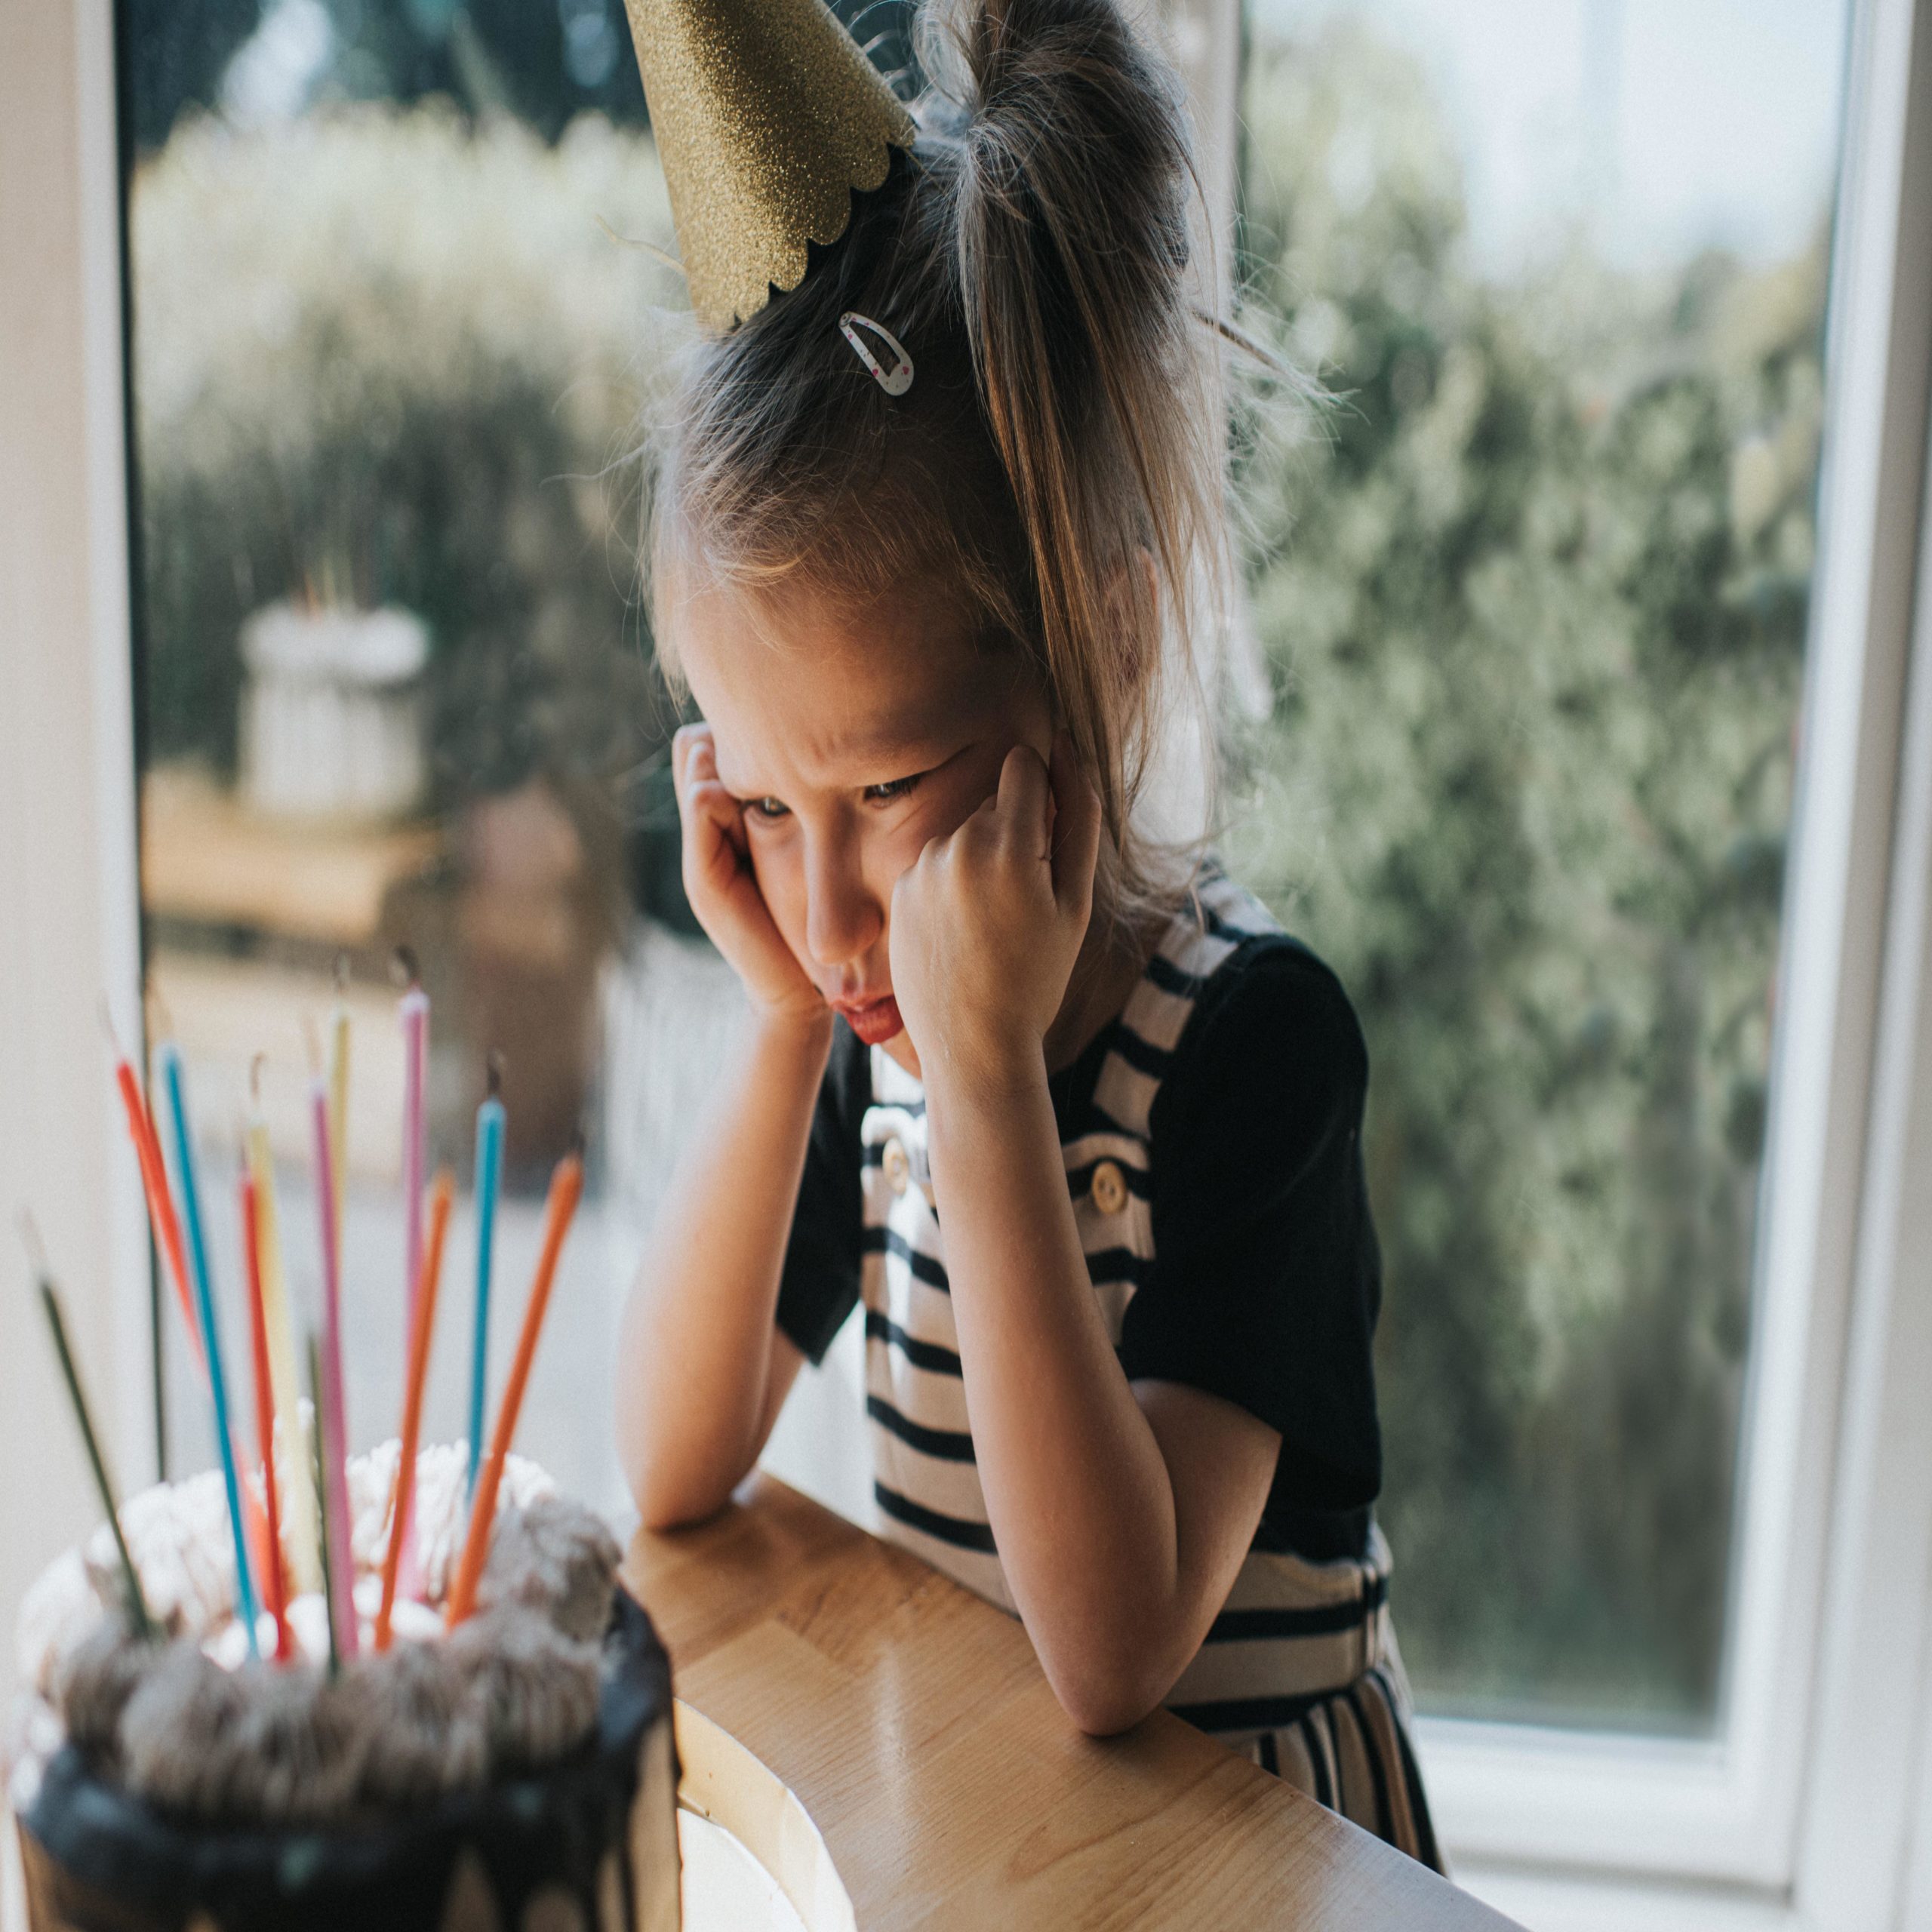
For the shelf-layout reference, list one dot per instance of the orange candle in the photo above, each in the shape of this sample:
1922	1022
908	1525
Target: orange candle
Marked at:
161	1203
429	1276
167	1227
274	1588
566	1190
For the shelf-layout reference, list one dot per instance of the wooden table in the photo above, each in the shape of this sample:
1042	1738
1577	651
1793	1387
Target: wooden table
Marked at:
911	1721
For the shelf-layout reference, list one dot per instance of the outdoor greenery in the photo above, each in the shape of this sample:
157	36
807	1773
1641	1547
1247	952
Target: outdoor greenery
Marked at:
543	61
1532	598
1530	592
386	357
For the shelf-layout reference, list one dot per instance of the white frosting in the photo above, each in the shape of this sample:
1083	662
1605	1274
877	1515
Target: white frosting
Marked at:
179	1536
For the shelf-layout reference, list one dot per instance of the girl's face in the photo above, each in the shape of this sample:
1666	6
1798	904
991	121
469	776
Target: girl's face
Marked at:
850	738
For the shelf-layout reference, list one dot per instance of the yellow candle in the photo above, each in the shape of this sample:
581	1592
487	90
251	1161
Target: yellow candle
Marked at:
299	1493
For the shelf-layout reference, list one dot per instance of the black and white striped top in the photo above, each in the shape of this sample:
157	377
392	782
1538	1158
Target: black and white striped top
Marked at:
1211	1139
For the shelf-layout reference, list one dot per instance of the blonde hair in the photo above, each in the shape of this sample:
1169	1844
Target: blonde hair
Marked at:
1065	428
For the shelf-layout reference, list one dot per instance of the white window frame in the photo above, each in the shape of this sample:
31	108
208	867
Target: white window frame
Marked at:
68	908
1816	1806
1747	1810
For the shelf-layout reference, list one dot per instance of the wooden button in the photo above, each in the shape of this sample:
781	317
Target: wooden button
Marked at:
1109	1188
897	1168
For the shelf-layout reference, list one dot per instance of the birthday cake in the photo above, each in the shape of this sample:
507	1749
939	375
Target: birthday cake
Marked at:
515	1772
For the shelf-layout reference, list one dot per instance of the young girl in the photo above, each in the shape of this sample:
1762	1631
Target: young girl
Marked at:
1068	1113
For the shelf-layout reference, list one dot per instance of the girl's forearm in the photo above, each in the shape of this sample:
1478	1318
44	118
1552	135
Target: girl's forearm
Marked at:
698	1344
1076	1486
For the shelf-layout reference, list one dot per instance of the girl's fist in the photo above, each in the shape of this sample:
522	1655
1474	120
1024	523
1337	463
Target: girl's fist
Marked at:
987	921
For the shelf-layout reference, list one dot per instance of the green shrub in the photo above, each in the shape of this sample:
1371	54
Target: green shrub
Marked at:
1533	607
387	358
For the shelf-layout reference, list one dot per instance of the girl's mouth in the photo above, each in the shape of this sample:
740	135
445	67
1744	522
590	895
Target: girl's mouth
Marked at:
875	1021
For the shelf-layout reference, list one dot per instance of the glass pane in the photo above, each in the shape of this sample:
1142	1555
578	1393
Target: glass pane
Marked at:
392	333
1530	603
396	307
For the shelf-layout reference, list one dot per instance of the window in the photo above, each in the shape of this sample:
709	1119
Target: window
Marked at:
1533	597
529	853
1584	677
391	336
396	312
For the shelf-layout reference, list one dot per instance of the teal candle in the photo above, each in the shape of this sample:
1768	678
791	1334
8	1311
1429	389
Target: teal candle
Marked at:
170	1058
489	1177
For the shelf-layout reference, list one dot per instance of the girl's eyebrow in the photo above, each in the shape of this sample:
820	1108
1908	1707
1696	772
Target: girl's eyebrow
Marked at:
914	761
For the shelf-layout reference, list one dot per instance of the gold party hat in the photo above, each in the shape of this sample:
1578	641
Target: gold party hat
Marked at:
767	116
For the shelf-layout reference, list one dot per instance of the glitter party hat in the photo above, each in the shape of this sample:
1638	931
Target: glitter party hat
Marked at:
767	116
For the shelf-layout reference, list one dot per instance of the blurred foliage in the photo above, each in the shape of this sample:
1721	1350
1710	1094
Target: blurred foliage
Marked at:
385	357
543	61
1532	600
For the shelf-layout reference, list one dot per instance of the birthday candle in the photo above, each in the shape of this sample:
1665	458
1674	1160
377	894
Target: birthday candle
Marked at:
415	1014
50	1300
338	1094
319	1481
274	1589
332	1419
566	1188
198	1252
412	1404
489	1176
305	1524
161	1208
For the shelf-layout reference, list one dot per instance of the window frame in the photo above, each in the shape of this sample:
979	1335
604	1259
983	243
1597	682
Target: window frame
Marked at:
1810	1809
1512	1801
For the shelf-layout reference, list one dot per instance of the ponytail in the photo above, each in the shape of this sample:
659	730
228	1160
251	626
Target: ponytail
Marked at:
1073	255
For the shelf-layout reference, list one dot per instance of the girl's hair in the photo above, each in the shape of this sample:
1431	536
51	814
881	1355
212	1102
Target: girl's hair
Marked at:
1064	429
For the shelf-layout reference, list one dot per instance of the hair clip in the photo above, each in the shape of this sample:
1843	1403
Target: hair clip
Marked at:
898	379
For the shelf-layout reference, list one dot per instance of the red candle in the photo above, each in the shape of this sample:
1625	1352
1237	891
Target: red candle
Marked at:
566	1188
166	1226
161	1203
412	1404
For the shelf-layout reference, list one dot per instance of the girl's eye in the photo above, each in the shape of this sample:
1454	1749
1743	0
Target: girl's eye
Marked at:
895	788
768	808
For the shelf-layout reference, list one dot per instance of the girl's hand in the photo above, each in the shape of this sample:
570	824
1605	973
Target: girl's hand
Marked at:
724	890
987	923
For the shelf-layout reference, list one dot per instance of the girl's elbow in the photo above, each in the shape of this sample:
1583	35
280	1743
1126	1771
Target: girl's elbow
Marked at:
669	1498
1105	1703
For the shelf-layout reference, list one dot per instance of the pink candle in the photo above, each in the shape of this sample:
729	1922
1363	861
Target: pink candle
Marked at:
415	1014
335	1472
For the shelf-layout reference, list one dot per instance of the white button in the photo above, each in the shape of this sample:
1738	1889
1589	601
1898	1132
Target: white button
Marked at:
1109	1188
897	1168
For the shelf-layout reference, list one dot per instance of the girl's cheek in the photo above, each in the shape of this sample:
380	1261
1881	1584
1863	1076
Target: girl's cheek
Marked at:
781	884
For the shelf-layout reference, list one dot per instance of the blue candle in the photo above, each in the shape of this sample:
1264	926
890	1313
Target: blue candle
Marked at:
489	1173
170	1057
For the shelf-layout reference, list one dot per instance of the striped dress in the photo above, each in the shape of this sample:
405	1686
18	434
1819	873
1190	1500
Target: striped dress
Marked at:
1300	1670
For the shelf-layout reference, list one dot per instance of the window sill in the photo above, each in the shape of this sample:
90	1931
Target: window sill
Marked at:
1546	1901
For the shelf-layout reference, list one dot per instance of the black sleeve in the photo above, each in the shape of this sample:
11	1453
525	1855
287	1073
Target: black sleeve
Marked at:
819	1287
1267	1278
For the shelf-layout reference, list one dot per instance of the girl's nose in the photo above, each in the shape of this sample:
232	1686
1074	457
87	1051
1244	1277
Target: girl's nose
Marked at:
843	919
